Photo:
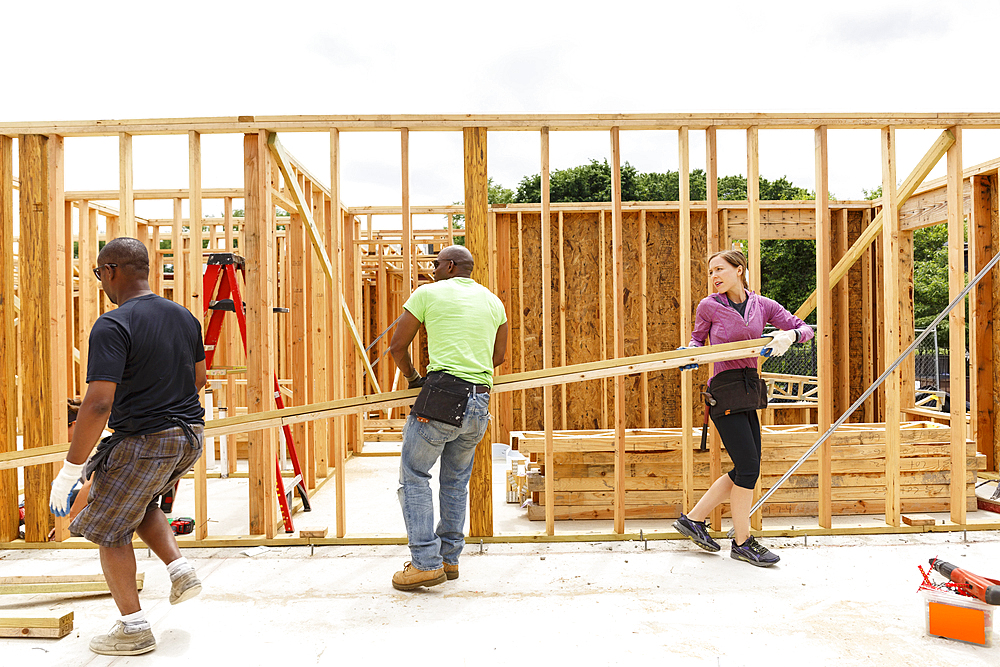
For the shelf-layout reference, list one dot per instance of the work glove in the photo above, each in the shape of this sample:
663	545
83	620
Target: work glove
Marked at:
416	380
687	367
62	488
780	342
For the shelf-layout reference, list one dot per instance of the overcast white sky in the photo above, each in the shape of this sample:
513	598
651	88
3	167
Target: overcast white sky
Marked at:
75	61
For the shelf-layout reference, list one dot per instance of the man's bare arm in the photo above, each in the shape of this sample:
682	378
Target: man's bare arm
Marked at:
91	420
500	345
406	329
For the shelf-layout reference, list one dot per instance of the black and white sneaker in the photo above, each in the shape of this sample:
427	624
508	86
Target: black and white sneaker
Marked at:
697	531
753	552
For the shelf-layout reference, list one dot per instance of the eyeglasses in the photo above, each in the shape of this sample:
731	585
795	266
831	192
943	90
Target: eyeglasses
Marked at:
97	270
437	262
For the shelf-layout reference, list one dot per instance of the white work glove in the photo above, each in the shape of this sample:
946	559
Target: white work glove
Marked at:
62	487
687	367
780	342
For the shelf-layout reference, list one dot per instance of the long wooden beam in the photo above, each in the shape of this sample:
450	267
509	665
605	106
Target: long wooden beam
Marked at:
509	122
909	186
305	210
504	383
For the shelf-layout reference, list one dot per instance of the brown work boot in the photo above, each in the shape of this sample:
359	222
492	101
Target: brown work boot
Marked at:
410	577
451	571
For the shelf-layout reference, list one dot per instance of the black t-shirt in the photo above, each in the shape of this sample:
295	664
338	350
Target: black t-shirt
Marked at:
149	347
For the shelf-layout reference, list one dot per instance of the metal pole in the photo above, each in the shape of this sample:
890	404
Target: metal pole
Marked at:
937	362
879	381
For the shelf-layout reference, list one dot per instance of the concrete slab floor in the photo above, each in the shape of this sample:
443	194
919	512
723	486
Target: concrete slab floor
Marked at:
839	600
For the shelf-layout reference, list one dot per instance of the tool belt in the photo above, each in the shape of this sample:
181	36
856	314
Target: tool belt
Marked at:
444	398
736	390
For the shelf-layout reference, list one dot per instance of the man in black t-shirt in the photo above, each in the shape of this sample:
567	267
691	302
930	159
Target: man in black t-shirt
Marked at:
145	368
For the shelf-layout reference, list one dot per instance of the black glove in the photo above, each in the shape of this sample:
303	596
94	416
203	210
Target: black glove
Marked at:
416	380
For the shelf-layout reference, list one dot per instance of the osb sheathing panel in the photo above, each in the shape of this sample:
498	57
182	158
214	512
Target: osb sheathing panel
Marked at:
856	315
582	256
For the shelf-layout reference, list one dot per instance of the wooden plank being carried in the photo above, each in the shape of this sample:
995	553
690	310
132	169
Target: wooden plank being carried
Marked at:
504	383
51	628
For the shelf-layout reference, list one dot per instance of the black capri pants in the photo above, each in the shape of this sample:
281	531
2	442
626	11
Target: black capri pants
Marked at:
740	433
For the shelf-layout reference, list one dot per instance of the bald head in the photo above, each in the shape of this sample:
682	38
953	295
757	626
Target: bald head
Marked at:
129	254
458	254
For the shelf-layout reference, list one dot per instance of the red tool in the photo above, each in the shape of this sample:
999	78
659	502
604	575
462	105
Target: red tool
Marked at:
220	280
982	588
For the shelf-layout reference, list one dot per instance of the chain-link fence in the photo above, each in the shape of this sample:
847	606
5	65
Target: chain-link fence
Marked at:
798	360
930	363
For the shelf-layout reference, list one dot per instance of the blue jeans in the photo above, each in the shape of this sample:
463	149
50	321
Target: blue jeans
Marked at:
423	444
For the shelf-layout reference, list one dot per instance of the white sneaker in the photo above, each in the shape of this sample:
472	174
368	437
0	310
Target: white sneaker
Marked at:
185	587
134	639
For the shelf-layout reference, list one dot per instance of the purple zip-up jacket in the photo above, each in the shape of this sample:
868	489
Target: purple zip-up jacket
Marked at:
717	320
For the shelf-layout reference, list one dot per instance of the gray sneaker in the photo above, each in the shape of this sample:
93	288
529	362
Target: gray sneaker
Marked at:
120	641
697	531
753	552
185	587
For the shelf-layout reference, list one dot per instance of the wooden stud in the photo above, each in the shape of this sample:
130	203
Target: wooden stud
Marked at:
52	628
8	350
62	349
753	206
196	306
890	290
259	253
520	310
604	316
546	224
686	324
982	309
227	216
868	311
477	222
643	316
824	321
321	363
618	288
70	353
842	314
300	341
409	281
753	247
35	271
715	244
956	329
126	225
177	251
562	316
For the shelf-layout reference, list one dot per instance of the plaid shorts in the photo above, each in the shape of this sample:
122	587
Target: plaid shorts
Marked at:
128	482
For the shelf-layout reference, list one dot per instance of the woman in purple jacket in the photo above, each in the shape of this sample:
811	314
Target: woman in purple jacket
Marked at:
734	313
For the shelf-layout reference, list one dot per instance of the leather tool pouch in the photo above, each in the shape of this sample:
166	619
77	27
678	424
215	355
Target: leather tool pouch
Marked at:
443	398
737	390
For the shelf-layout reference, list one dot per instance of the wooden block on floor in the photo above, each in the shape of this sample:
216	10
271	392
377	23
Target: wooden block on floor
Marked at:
918	520
72	583
53	628
313	532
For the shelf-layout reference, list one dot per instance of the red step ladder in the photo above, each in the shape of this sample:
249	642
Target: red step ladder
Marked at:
221	273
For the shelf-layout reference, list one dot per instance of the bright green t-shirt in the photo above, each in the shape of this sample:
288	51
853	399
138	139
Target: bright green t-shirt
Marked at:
462	318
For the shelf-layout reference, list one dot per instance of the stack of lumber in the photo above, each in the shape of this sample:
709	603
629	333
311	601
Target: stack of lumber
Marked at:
584	471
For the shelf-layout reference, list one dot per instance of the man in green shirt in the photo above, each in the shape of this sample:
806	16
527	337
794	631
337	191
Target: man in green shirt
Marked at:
466	338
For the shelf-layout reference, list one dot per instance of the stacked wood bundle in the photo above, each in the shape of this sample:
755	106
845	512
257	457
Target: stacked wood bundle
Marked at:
584	471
